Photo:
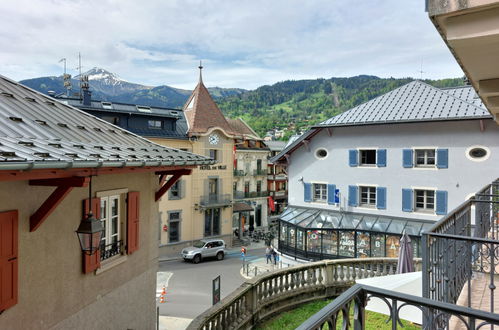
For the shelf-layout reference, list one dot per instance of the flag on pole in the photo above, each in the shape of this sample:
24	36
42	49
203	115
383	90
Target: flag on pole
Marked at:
271	204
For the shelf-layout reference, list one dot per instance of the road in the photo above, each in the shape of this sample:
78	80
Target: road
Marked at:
189	287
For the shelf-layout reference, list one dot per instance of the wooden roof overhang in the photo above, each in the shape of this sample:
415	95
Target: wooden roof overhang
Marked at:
64	180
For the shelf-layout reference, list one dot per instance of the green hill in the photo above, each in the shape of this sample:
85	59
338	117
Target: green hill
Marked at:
295	105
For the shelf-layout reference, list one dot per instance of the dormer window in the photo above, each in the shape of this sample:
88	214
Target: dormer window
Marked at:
107	105
143	108
155	124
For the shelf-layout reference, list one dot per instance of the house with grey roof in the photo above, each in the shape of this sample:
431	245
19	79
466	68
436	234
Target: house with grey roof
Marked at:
395	163
63	170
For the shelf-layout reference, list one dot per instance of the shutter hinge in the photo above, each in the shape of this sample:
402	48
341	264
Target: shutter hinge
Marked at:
12	259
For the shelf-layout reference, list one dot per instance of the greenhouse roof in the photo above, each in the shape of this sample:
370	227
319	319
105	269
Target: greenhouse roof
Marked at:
310	218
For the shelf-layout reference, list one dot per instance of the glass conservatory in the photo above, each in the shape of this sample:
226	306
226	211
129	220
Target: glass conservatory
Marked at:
324	234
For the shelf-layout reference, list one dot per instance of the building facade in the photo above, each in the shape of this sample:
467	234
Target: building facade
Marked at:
403	159
57	164
250	177
277	180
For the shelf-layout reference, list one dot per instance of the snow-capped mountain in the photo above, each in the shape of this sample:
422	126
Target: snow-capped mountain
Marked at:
107	86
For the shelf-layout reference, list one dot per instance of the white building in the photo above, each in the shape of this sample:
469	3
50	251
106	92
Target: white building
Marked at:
398	162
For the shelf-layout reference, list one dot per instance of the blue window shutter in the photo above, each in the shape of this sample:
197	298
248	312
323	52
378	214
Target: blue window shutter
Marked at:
381	157
353	157
441	202
352	195
381	198
442	158
407	158
307	192
407	205
330	193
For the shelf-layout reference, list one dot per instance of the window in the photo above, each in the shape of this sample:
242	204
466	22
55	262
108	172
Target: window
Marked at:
320	192
424	157
213	189
214	154
174	226
424	200
321	153
175	191
110	217
212	222
234	187
258	186
112	119
246	189
155	124
259	165
367	157
367	196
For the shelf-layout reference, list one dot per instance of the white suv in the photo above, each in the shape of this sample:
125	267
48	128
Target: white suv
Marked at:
205	248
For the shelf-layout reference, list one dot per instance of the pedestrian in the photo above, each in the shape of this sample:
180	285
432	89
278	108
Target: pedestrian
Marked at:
268	254
274	254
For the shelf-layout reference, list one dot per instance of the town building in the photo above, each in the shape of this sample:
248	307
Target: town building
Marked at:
277	181
250	177
58	165
396	163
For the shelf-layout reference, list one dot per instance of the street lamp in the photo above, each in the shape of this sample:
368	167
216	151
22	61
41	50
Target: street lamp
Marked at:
90	230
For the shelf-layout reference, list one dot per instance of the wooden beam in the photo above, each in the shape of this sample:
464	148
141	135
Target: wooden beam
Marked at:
489	87
48	206
288	159
174	171
482	126
306	144
70	182
23	175
329	131
175	177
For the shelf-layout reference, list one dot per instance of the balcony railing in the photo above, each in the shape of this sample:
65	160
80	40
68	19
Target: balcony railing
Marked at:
216	200
260	172
267	295
454	251
110	250
252	194
239	173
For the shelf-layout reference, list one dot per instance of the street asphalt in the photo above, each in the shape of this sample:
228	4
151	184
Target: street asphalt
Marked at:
189	288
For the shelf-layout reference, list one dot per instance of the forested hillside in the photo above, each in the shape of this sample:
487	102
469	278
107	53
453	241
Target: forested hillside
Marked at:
298	104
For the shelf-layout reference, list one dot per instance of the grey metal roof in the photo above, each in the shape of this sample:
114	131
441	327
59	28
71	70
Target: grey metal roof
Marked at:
37	131
466	93
312	218
126	108
413	102
275	145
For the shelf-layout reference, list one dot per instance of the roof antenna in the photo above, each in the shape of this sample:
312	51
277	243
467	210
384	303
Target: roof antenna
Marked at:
421	70
200	71
66	78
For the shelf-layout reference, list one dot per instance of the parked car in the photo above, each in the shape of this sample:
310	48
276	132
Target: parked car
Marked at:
205	248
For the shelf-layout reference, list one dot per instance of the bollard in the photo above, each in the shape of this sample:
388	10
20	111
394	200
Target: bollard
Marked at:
256	270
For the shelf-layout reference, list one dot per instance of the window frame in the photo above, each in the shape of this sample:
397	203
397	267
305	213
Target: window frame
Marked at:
371	190
321	197
214	154
360	160
170	221
425	208
425	157
152	124
106	213
176	188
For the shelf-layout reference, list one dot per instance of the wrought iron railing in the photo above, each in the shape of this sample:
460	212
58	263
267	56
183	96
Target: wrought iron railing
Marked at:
260	172
111	250
348	311
216	200
264	296
239	173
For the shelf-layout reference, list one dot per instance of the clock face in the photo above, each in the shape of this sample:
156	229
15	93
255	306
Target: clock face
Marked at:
213	139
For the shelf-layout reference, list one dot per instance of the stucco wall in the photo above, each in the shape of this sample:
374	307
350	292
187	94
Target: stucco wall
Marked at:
52	287
462	177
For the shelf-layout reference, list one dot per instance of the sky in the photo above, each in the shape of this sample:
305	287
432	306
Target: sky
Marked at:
243	43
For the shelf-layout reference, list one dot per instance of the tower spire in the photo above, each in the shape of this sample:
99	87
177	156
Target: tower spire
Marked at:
200	71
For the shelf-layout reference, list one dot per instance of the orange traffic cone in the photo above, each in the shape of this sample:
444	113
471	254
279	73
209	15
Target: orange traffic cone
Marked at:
162	299
164	291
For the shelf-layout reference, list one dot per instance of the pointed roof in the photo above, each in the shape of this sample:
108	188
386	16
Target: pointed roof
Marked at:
202	113
241	128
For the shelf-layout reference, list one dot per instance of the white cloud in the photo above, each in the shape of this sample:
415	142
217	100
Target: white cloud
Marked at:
243	44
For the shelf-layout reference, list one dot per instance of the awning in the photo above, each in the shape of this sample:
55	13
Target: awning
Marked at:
310	218
241	207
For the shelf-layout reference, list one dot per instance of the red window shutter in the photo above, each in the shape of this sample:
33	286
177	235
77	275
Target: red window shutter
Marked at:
91	263
133	222
8	259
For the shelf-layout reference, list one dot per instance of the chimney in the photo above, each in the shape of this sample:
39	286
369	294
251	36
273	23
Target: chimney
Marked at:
87	97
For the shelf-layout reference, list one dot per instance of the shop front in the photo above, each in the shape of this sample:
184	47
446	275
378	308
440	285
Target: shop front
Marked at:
315	234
